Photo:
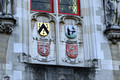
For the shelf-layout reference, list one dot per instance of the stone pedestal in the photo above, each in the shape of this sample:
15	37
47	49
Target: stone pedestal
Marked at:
113	33
6	24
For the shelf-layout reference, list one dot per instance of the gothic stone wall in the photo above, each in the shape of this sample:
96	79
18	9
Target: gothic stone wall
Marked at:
93	17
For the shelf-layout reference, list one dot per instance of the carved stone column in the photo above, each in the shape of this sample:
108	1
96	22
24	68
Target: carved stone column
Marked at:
9	7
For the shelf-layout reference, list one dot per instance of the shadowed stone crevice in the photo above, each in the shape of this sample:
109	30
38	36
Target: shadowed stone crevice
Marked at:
43	72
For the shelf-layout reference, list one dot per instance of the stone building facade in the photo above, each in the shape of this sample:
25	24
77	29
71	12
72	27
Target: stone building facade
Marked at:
59	40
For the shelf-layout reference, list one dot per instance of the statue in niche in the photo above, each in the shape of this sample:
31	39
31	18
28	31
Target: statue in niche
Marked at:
5	6
112	12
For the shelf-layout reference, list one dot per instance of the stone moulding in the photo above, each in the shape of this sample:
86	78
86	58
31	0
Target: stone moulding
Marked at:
6	24
76	18
50	16
113	34
26	58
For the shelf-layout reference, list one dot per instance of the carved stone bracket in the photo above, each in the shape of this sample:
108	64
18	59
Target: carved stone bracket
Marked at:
6	77
26	58
72	61
113	34
92	63
45	59
6	24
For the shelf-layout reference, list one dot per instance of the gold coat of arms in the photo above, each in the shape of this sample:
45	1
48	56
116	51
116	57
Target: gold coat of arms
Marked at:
43	28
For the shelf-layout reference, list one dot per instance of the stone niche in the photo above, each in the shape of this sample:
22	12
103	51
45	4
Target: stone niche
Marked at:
71	45
41	40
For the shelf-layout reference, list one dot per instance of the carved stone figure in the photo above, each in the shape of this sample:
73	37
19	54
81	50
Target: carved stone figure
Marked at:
5	6
115	15
112	12
112	17
119	12
109	12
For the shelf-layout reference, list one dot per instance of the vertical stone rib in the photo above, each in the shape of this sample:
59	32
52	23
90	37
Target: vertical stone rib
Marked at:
9	7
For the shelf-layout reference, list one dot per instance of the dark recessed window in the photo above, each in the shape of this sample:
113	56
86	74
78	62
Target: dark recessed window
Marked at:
42	5
70	7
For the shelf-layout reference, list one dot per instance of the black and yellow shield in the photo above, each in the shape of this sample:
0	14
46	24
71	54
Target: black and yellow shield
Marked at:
43	28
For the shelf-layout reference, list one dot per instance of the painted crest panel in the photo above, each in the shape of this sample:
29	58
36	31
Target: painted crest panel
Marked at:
72	50
43	48
43	28
71	31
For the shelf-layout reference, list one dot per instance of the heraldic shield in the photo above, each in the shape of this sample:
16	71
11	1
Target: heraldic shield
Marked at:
43	28
71	50
71	31
43	48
